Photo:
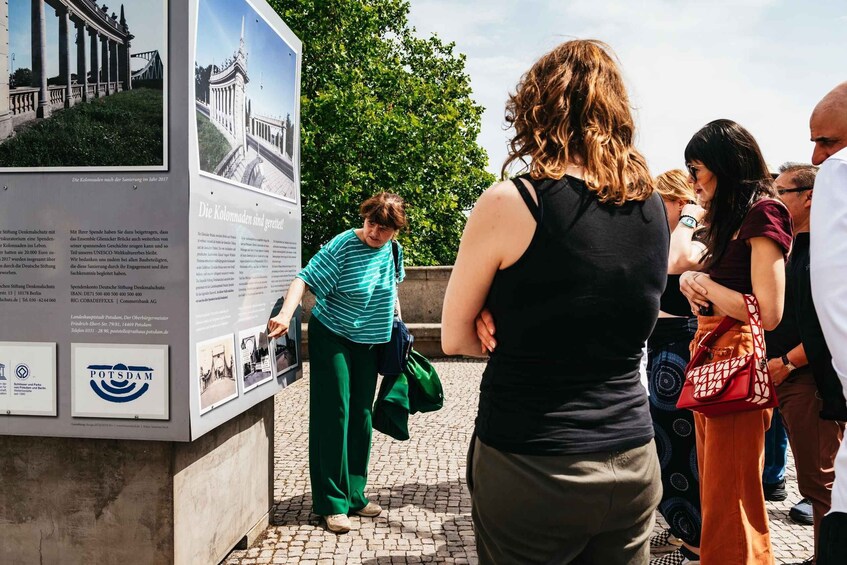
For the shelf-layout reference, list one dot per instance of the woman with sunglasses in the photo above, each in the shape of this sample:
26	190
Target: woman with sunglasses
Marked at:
748	235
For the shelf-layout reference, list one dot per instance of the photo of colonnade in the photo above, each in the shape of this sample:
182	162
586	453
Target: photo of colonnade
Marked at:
244	89
73	66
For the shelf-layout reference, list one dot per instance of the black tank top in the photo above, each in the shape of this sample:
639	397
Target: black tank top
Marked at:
572	316
673	302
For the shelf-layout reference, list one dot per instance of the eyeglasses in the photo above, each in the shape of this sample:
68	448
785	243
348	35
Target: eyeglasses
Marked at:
782	191
691	170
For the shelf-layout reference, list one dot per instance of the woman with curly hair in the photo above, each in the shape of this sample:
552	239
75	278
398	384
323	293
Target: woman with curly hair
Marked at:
568	261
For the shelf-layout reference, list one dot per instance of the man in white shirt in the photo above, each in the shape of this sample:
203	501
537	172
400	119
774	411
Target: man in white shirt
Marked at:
828	251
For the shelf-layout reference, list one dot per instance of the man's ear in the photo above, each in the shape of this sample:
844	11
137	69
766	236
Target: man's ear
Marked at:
808	202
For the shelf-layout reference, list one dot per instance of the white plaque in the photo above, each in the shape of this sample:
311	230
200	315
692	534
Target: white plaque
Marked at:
27	378
119	381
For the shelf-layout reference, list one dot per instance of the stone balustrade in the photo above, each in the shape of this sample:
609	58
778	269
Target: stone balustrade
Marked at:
23	102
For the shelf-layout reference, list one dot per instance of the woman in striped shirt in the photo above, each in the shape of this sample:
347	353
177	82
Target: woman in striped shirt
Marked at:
354	279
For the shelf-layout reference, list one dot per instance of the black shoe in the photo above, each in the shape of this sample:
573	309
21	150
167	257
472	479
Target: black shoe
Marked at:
802	513
809	561
775	492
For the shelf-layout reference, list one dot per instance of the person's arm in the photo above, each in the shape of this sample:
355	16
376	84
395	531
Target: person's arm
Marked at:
278	325
779	371
482	252
767	271
685	252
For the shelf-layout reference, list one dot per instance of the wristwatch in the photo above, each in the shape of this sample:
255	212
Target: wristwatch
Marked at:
788	364
688	221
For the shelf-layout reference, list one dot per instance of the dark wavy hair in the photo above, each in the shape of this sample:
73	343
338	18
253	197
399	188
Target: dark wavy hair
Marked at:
731	153
572	107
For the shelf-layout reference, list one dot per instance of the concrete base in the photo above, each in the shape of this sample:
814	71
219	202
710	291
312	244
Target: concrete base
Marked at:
75	501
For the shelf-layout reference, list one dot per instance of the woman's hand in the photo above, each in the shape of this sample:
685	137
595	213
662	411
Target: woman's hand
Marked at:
695	292
485	331
693	210
278	325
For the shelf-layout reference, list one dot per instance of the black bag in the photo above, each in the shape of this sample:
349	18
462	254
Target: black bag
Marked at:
394	355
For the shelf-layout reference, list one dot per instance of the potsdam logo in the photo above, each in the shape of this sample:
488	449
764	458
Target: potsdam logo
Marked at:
119	383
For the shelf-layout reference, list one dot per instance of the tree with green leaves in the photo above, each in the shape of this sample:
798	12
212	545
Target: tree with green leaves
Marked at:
384	109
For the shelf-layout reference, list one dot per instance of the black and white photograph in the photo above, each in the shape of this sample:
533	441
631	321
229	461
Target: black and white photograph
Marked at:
87	85
255	357
217	372
285	356
244	88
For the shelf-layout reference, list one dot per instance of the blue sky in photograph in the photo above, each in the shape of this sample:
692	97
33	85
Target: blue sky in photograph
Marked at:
762	63
144	17
271	64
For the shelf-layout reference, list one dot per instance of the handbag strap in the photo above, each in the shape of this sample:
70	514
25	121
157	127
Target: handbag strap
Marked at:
753	318
395	251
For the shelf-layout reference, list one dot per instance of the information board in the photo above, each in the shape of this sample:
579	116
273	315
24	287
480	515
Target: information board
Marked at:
148	222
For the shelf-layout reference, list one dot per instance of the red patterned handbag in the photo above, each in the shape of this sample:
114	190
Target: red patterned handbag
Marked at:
732	385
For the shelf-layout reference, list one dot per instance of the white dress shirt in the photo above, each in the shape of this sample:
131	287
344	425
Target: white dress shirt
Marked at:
828	256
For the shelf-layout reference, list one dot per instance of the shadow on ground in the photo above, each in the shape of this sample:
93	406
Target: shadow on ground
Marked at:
448	523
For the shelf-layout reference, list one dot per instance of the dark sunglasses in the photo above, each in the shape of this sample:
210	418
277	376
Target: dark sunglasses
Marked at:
782	191
691	170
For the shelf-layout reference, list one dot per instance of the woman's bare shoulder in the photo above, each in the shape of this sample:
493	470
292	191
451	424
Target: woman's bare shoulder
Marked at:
501	196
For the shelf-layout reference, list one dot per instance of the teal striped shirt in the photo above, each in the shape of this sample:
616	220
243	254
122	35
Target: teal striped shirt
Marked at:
355	287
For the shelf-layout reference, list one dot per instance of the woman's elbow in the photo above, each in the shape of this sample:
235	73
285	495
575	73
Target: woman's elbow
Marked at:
771	319
448	347
449	340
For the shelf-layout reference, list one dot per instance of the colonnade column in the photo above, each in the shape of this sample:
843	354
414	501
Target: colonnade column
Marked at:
39	51
5	108
113	64
127	62
104	63
95	62
81	67
65	53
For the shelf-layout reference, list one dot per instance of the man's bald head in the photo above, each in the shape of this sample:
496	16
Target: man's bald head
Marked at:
828	124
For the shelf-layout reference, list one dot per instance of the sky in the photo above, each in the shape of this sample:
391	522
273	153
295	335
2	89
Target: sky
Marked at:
762	63
271	63
144	17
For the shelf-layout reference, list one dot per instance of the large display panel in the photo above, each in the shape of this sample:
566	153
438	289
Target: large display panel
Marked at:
135	287
245	206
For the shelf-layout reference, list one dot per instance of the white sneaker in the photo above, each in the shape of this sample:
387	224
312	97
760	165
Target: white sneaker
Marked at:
371	510
337	523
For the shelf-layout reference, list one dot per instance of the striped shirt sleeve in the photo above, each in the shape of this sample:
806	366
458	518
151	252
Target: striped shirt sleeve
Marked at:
323	271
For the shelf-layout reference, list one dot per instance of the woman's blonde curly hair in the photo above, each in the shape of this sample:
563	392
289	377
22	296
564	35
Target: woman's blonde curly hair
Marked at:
571	107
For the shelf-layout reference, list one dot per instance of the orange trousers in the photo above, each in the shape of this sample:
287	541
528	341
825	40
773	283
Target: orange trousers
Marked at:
731	457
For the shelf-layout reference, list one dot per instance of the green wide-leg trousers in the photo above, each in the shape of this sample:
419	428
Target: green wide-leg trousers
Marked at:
341	394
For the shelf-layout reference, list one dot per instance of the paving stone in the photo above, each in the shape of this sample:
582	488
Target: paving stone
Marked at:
421	485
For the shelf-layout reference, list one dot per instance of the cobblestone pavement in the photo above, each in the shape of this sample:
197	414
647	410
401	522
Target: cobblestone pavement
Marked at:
421	485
